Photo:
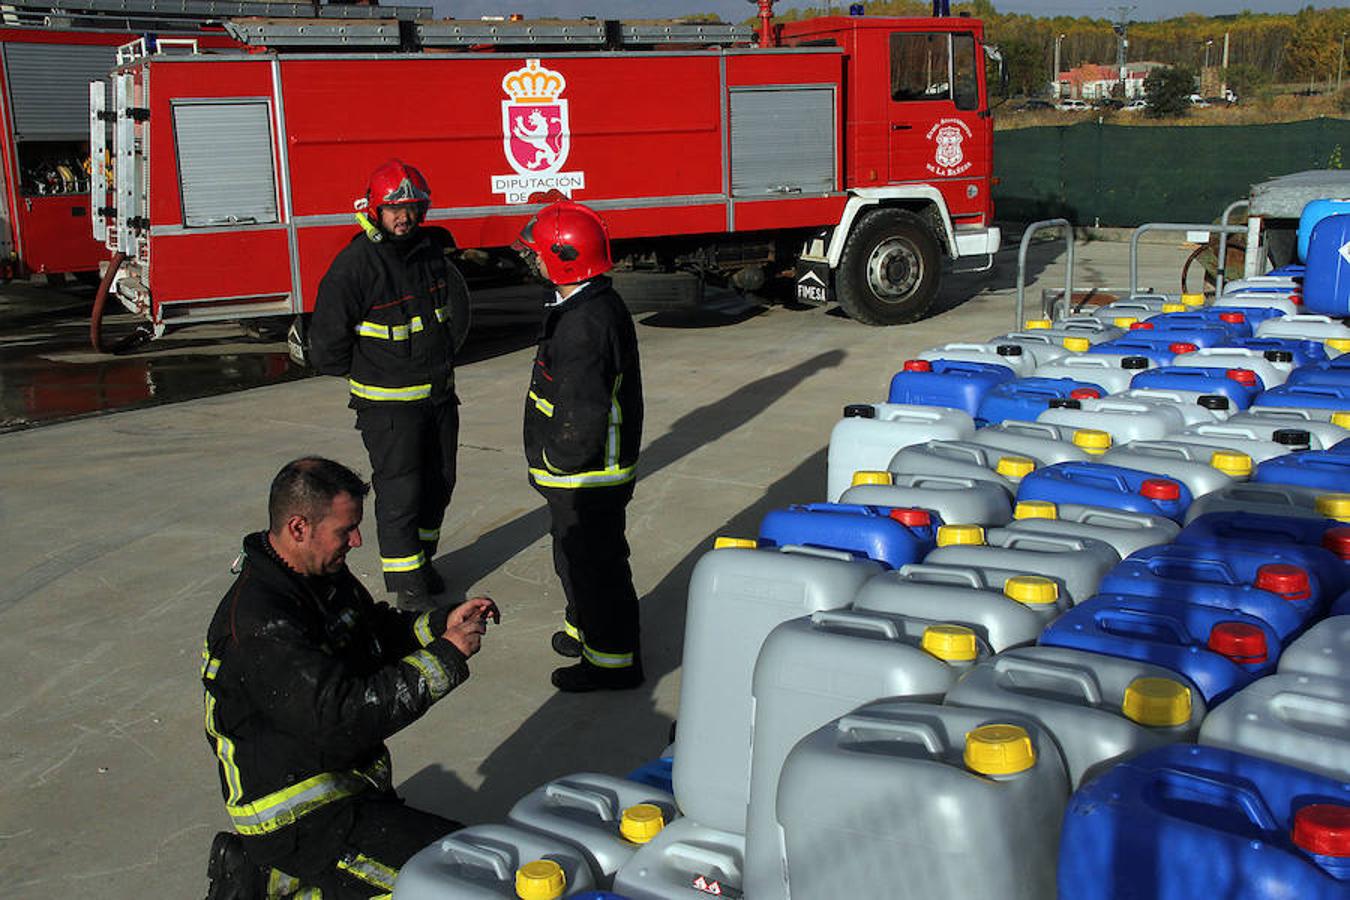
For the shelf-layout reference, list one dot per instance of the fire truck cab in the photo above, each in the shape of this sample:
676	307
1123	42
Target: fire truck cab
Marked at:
852	152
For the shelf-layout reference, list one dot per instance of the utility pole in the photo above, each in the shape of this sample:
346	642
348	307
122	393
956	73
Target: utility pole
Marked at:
1223	87
1122	41
1055	79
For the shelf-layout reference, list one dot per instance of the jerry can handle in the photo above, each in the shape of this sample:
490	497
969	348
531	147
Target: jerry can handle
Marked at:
1124	618
482	857
862	621
1181	784
953	481
1012	540
1084	473
1069	675
1116	518
698	857
931	573
978	455
822	552
589	798
909	732
1162	448
1221	571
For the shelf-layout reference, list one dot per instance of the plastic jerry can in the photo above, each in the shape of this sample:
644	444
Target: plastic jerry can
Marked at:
1043	442
1114	487
892	537
1098	709
1302	352
1078	563
1091	328
1326	283
1160	349
736	597
1270	373
1274	499
1112	372
609	818
1311	326
914	800
685	860
1255	440
1125	531
1314	211
1041	345
1287	301
814	669
1220	651
655	773
1124	420
1283	430
953	383
1202	470
485	862
1195	408
1232	321
1334	372
1279	593
963	459
1326	470
950	498
1299	720
1323	651
1010	355
1330	397
1240	386
1138	306
1321	432
1028	397
869	434
1323	543
1181	822
1004	609
1341	607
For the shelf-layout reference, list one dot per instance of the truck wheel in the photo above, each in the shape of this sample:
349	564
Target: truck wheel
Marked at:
888	272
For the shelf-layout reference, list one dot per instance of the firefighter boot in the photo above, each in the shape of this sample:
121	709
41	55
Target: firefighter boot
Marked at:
584	677
566	645
230	875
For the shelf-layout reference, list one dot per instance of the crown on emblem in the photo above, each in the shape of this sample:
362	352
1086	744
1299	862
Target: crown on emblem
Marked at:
533	84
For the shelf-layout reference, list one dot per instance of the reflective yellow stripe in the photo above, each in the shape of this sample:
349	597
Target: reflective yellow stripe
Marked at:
224	751
571	630
433	673
403	563
371	392
615	420
606	660
542	405
428	535
389	332
442	313
279	884
371	871
312	893
544	478
210	665
280	808
422	629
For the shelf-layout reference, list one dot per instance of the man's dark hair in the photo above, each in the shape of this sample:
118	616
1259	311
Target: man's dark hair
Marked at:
307	487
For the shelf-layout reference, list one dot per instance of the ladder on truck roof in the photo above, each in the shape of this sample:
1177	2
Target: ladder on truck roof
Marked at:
470	33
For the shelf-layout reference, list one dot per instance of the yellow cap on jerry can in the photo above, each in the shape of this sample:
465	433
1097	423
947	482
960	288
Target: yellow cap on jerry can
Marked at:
641	822
1033	590
1334	506
1157	702
1090	440
1034	324
731	543
871	477
1173	307
999	750
1192	299
1233	463
1015	466
949	535
542	879
1075	344
951	643
1035	509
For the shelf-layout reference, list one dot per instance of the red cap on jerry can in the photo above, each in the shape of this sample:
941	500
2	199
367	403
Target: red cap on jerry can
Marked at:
1240	642
1182	347
1160	489
917	365
914	518
1290	582
1142	326
1085	393
1323	829
1235	318
1245	377
1337	540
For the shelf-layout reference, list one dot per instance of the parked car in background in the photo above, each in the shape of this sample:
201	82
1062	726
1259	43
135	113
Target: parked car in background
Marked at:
1072	105
1034	105
1139	104
1199	102
1109	103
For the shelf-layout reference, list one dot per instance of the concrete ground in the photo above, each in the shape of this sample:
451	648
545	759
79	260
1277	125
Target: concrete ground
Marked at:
117	532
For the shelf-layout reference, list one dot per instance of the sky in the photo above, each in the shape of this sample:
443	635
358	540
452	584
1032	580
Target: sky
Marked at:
737	10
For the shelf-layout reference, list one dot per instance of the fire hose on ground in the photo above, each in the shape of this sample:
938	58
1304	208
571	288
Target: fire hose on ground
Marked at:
101	298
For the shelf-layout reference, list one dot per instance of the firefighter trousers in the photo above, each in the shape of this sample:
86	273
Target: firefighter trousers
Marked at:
385	834
590	555
412	459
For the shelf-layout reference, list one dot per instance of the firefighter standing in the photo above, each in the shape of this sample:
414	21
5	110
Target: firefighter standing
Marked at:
391	313
304	677
583	427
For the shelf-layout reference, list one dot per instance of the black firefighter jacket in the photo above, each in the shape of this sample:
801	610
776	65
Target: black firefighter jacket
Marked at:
304	680
390	316
583	412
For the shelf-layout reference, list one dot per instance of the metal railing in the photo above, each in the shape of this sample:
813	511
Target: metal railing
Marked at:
1221	267
1034	227
1169	226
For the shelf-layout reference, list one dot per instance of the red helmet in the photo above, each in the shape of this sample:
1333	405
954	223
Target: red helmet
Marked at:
396	183
570	241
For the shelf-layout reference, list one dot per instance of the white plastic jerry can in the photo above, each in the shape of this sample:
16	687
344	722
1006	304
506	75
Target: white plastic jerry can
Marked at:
1274	499
486	862
869	434
963	459
953	498
1125	531
1124	420
685	860
1078	563
1045	443
1110	371
1011	356
1299	720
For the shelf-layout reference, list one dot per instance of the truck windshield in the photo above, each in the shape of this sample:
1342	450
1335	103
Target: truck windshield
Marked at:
934	66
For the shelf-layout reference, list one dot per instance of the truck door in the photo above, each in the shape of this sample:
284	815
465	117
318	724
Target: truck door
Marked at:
935	106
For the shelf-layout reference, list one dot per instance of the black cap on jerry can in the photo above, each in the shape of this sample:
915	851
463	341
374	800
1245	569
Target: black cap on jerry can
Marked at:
1134	362
1065	403
1293	437
1213	401
860	411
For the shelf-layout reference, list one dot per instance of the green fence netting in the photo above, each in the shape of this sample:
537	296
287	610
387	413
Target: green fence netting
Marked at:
1118	175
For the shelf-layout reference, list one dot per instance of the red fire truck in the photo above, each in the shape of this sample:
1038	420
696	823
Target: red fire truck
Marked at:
855	151
49	52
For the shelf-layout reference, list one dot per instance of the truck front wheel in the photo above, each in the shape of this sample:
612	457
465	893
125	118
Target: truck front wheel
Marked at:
888	272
